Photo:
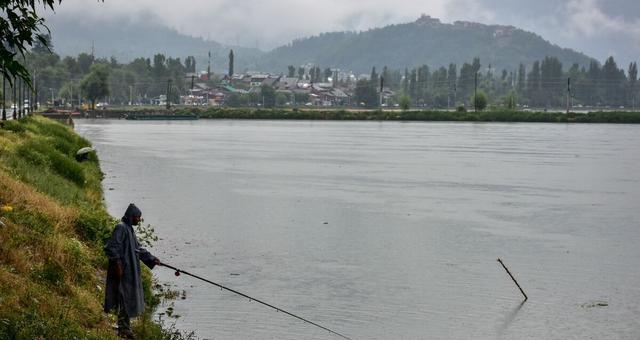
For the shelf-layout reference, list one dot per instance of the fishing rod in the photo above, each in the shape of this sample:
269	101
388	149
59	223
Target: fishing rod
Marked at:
178	271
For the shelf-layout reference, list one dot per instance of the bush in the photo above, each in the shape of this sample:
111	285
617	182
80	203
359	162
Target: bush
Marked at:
42	153
15	126
94	224
405	102
480	100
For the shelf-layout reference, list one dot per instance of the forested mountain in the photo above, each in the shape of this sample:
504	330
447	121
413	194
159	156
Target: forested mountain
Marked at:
126	40
425	41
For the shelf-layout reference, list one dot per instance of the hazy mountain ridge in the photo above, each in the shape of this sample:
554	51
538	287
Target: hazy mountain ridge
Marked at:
126	40
425	41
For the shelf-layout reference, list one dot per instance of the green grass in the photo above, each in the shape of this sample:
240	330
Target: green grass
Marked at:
51	261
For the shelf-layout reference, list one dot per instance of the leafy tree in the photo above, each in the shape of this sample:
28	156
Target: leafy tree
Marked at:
190	64
235	100
327	73
633	83
452	75
511	100
268	95
613	80
366	93
480	100
292	71
405	102
520	87
281	99
69	92
84	62
300	73
552	81
20	27
534	85
374	78
95	85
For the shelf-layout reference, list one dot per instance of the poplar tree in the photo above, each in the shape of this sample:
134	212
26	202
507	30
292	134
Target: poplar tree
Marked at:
231	63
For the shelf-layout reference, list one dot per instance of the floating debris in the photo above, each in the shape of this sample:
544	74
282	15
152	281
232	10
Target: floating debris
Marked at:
594	304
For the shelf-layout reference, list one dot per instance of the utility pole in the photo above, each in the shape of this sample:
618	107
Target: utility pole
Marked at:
130	95
455	93
15	106
381	89
208	71
20	93
568	94
449	96
29	95
4	95
52	97
475	94
35	91
168	94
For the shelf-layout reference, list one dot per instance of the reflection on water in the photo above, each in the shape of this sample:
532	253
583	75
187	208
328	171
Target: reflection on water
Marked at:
388	230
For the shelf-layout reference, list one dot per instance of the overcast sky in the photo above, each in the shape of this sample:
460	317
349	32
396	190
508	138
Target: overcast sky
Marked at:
598	28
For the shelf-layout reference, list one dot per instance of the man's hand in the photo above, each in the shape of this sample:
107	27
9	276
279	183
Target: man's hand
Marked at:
157	261
119	270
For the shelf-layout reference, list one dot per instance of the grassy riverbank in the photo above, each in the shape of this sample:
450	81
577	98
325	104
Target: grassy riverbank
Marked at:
54	224
413	115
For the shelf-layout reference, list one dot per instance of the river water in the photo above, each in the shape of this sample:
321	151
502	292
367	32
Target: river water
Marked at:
388	230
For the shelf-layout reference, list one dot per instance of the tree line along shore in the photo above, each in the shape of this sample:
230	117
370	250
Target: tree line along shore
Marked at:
613	117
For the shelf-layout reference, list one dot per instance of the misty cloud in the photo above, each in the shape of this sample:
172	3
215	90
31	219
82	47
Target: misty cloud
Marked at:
596	27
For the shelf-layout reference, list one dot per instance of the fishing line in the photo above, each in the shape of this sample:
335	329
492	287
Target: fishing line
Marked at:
179	271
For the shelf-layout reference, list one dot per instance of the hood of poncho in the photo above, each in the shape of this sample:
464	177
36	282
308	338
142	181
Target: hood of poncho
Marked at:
132	210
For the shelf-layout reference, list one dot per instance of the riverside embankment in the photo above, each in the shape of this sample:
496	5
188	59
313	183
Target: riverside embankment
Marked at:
53	226
616	117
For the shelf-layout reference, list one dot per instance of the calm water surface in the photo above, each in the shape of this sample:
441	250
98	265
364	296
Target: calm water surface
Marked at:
388	230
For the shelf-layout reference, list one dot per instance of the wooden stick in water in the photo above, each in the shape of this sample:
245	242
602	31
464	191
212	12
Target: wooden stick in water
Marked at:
514	279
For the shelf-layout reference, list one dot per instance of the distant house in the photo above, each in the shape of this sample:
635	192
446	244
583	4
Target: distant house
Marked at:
325	95
287	83
160	100
256	80
270	81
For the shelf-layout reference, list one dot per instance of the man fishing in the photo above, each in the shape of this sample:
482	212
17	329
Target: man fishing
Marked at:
124	284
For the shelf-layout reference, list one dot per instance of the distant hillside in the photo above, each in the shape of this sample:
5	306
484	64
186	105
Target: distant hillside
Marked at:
126	40
425	41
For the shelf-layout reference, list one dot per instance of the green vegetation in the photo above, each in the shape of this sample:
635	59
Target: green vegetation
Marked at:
54	224
95	84
480	100
461	115
405	102
20	28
